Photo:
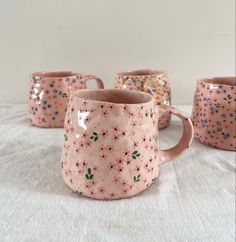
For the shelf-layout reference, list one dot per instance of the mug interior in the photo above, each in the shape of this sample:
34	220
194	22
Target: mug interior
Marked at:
55	74
230	81
114	96
145	72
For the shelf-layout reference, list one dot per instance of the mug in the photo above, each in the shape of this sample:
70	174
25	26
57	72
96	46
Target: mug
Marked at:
213	113
156	82
111	148
49	96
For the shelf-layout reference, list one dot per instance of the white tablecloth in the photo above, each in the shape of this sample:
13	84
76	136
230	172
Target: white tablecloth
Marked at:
193	199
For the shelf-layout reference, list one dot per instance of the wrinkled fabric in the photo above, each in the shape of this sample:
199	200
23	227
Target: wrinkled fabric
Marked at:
192	200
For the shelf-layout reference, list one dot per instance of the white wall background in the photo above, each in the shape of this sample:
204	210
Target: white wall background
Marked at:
189	38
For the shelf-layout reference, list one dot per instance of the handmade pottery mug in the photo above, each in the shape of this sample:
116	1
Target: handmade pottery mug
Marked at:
49	95
155	82
111	147
213	112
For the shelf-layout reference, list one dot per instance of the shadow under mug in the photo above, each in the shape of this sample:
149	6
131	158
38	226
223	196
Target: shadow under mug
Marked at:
111	148
49	95
214	112
155	82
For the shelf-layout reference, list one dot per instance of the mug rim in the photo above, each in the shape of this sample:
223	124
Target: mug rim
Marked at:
229	81
54	74
142	72
114	91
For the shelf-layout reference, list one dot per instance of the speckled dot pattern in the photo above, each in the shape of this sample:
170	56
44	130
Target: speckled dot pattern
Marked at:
214	112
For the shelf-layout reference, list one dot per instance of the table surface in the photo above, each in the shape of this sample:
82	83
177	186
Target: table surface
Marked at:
193	199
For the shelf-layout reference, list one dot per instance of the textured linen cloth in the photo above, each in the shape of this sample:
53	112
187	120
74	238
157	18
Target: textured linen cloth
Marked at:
192	200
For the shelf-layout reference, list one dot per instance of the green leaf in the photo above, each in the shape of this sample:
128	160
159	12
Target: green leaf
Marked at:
89	171
96	138
95	133
91	137
87	176
134	178
135	152
138	155
138	176
134	157
91	176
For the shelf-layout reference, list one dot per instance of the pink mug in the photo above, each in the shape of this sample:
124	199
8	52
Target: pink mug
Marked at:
111	147
214	112
155	82
49	96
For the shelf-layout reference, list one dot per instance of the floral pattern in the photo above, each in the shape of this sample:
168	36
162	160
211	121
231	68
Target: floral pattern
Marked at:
156	84
49	97
106	157
214	114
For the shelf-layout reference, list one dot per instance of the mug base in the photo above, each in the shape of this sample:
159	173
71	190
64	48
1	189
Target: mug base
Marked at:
226	148
118	197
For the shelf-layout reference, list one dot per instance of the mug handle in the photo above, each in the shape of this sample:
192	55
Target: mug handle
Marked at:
186	139
99	81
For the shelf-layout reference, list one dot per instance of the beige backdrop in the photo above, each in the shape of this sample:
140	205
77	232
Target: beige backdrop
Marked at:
189	38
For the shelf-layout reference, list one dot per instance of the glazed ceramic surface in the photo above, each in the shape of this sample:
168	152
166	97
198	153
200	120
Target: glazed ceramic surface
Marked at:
214	114
155	82
111	145
49	96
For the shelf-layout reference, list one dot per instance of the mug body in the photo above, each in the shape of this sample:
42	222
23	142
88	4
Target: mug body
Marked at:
155	82
49	96
213	114
111	143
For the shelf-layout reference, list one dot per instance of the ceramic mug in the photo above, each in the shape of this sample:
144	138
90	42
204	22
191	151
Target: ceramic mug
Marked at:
111	147
155	82
213	112
49	96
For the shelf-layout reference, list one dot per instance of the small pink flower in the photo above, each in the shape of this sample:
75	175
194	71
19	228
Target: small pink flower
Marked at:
126	107
84	163
120	169
102	148
115	137
128	162
120	160
144	139
81	144
125	191
105	112
95	168
131	115
123	133
116	179
151	147
111	166
112	194
88	143
116	128
137	168
84	135
109	148
92	193
146	166
104	133
126	152
101	190
134	123
103	156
